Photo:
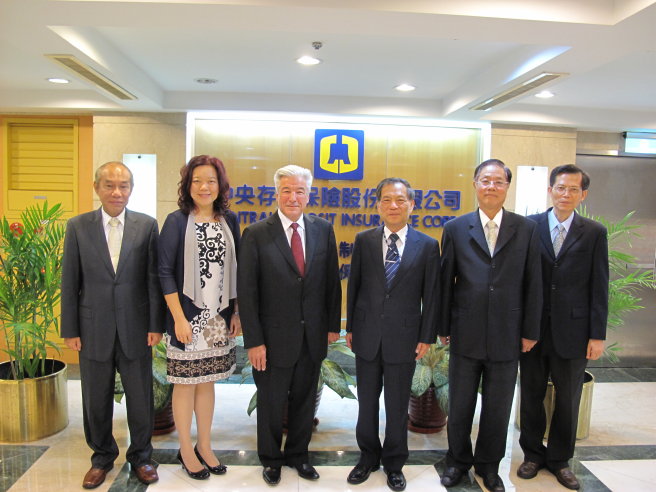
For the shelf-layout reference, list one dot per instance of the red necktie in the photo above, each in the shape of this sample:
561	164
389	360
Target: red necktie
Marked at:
297	249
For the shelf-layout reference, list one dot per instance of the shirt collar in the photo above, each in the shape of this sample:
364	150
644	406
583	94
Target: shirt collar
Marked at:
106	217
402	233
485	219
286	222
553	221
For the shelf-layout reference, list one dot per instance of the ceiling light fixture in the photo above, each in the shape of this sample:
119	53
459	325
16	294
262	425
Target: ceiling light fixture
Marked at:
405	87
205	80
308	59
545	94
518	90
58	80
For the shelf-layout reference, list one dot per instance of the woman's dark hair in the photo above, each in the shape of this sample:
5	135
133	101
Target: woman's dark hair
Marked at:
185	202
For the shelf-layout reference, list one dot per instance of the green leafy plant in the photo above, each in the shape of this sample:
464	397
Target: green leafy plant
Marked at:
30	279
162	389
625	278
332	374
432	373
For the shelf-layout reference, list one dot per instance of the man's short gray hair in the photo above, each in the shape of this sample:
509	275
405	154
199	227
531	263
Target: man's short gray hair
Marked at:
292	170
99	171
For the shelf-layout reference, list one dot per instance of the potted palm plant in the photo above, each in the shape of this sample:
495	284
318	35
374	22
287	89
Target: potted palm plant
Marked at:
32	385
429	397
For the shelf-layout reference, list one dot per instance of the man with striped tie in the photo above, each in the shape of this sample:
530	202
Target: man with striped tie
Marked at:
391	321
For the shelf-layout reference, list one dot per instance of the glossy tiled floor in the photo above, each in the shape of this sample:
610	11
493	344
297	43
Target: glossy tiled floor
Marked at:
619	455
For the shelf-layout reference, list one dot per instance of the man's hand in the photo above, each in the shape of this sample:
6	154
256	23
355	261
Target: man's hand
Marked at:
154	338
349	339
527	344
257	356
445	340
332	337
595	349
73	343
421	350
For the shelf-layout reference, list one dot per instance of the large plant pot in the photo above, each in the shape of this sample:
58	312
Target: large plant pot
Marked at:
585	407
32	409
164	423
425	414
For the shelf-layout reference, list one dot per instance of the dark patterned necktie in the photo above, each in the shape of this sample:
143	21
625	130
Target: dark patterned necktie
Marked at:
297	249
392	259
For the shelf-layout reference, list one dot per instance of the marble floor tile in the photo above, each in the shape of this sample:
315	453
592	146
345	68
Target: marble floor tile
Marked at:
625	475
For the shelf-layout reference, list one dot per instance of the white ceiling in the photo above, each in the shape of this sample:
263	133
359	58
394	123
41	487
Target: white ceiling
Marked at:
457	53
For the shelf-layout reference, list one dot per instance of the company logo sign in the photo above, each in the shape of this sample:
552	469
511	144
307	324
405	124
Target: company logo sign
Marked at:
339	154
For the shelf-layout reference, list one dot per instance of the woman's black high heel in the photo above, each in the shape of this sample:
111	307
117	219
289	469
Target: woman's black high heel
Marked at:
203	474
216	470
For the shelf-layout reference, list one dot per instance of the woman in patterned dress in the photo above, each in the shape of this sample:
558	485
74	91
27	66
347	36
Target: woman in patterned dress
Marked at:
197	268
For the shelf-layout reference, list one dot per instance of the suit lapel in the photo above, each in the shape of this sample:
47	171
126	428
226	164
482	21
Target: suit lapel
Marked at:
545	234
409	254
310	241
99	240
574	234
279	238
476	232
376	249
506	231
127	243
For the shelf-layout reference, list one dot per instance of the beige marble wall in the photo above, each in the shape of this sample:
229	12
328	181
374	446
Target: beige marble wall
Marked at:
524	145
163	134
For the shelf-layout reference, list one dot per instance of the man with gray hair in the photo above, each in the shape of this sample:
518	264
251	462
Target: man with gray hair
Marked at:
290	301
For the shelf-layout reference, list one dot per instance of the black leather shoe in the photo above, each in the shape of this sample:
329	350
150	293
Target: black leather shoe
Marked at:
566	478
360	473
201	474
395	480
452	476
216	470
306	471
271	475
492	482
528	470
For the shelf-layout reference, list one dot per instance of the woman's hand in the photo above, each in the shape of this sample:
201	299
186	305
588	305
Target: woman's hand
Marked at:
235	325
183	331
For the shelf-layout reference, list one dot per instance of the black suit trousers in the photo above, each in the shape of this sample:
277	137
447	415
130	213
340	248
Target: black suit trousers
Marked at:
498	389
97	380
537	366
297	386
396	379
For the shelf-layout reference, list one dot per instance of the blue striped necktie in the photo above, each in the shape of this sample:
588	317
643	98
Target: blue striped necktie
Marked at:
392	259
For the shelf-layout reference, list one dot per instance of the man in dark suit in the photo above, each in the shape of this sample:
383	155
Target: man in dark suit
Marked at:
290	300
391	309
491	302
112	313
574	253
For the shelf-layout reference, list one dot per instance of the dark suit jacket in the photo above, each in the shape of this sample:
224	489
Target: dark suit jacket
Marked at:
277	306
395	320
171	266
575	285
97	304
490	303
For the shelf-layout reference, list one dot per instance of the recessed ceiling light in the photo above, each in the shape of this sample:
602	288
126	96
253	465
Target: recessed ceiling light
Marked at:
204	80
405	87
544	94
308	60
57	80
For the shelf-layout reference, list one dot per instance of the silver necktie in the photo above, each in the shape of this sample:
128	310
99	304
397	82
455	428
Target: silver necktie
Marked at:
114	241
559	239
491	231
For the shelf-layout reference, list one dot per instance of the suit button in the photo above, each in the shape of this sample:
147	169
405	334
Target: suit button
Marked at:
553	286
382	316
556	265
493	265
300	279
387	296
491	288
302	322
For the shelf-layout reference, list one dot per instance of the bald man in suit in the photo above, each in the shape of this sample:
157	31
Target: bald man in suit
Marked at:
113	313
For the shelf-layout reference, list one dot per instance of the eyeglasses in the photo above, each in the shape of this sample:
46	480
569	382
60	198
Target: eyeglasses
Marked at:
573	190
486	183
